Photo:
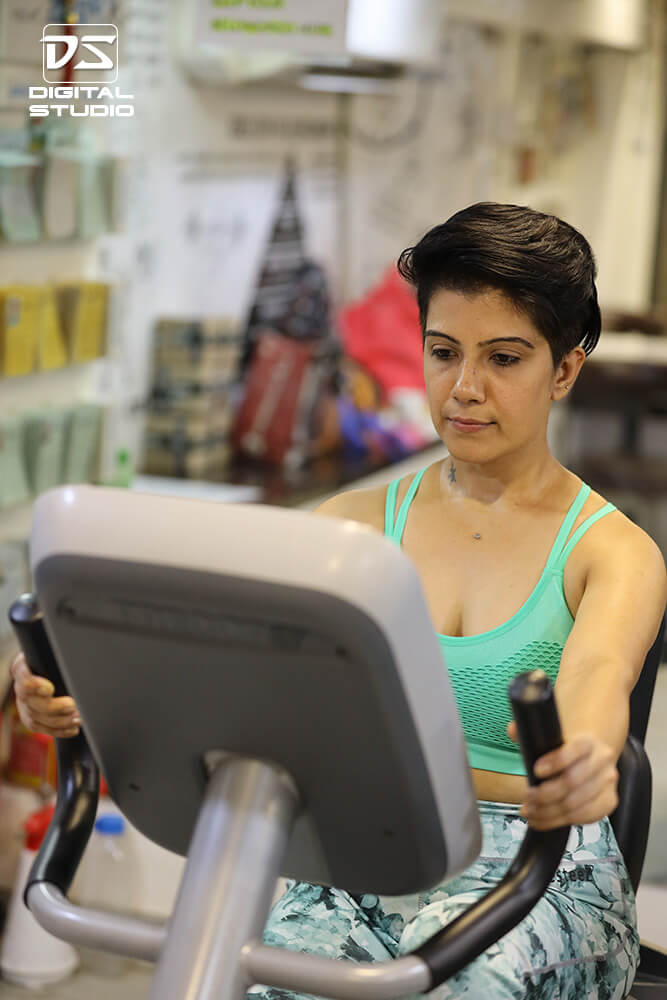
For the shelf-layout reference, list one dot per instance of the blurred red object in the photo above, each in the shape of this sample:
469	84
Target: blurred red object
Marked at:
36	826
282	397
382	333
32	756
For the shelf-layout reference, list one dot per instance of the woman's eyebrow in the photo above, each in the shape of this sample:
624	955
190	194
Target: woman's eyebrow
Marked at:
483	343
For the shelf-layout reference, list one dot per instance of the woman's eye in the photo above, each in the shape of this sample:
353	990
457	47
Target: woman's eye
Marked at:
505	359
442	353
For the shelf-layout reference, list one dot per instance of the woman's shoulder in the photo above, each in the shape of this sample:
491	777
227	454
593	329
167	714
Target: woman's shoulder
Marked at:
364	505
615	523
619	542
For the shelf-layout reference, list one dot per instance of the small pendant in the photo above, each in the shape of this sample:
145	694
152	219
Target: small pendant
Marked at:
477	535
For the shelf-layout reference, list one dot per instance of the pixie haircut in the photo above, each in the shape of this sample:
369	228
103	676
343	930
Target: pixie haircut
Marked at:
544	266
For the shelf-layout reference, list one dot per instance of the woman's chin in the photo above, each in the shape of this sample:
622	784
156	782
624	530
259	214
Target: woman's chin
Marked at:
464	444
473	452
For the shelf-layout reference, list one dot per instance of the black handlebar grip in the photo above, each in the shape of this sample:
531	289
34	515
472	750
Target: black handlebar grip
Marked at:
28	622
78	774
529	875
532	699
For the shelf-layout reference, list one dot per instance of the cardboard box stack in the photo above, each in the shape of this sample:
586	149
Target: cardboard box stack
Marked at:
195	366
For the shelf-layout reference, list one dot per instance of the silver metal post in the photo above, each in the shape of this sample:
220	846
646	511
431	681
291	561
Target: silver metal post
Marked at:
233	864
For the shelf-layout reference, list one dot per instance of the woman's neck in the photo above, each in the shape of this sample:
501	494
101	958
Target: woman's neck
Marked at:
510	484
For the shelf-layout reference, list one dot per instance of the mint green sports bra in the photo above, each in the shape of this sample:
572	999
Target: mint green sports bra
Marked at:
481	666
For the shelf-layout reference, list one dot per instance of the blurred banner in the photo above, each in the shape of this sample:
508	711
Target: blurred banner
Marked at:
311	26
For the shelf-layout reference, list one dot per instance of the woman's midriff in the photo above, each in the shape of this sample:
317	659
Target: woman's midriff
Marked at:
494	787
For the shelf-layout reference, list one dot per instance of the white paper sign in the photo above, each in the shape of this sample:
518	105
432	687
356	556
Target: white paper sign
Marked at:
301	26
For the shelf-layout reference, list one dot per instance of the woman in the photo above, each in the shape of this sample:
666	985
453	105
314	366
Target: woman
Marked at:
522	565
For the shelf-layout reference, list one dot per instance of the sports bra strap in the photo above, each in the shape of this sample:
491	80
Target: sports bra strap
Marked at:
560	551
583	528
395	531
390	507
566	526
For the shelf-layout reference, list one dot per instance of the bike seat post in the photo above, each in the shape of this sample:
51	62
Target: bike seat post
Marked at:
229	880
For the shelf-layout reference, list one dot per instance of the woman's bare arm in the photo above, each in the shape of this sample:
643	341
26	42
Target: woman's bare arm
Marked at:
616	623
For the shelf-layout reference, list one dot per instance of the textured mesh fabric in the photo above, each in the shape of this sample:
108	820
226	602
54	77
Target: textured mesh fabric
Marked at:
480	688
481	666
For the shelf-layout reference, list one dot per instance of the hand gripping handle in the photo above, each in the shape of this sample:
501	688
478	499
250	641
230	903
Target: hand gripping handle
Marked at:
481	925
78	773
534	706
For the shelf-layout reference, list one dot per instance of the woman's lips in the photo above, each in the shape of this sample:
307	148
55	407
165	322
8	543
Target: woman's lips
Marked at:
467	428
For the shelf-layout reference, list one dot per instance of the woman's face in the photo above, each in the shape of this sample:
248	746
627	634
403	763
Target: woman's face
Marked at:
485	363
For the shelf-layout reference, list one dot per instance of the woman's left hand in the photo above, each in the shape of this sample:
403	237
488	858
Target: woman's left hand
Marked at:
579	785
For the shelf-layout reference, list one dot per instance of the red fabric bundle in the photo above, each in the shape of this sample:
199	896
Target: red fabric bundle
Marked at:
382	333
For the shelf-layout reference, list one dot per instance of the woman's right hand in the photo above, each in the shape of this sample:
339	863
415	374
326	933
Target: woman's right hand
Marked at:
38	709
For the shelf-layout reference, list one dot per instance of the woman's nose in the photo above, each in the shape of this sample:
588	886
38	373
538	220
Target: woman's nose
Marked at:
468	385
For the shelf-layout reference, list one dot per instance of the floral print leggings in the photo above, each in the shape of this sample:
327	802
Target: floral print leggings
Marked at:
579	942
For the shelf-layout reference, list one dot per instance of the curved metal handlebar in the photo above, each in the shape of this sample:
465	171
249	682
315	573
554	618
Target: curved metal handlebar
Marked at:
461	941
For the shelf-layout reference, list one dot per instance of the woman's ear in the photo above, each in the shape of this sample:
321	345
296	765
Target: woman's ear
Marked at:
566	373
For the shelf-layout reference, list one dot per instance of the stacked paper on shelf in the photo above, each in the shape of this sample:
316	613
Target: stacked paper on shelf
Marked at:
19	214
14	486
51	346
181	443
195	363
83	309
44	434
83	441
184	458
60	197
95	186
197	349
19	308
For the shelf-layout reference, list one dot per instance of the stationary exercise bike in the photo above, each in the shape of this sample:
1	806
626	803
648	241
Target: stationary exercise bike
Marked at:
265	694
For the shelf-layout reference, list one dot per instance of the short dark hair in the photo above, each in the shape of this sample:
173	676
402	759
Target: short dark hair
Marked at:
544	266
